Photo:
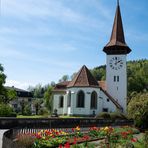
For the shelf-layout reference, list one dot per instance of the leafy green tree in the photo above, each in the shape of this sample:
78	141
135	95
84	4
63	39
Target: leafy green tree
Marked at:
11	95
48	98
38	90
138	109
2	82
27	110
6	110
99	72
37	104
64	78
22	104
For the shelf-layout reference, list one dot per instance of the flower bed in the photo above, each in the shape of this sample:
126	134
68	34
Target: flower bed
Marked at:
112	137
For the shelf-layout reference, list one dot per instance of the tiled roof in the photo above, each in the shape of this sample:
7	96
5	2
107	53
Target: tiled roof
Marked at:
61	87
102	84
117	44
83	78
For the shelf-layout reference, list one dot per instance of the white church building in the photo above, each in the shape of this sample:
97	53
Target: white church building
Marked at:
84	95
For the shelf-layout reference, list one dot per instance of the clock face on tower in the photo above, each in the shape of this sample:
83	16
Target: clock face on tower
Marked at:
116	63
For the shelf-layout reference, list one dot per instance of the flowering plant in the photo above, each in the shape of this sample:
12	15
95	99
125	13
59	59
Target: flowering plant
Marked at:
67	138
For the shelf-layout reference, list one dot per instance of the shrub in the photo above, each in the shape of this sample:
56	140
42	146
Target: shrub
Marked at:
27	110
43	111
103	115
25	141
138	109
6	111
117	115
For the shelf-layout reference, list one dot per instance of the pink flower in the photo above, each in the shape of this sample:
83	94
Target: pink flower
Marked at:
134	139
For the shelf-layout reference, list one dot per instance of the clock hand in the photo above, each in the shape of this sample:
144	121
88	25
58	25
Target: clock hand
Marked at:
117	62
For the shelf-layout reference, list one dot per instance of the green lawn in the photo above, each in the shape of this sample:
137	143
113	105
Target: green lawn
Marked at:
33	116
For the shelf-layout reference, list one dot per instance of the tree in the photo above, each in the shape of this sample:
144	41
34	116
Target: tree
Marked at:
48	98
99	72
38	90
27	110
22	104
37	104
64	78
2	82
138	109
11	95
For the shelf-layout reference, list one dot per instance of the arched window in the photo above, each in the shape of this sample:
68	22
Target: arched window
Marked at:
61	101
80	99
93	104
69	99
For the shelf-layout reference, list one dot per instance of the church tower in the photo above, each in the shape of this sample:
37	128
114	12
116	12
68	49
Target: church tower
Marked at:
116	71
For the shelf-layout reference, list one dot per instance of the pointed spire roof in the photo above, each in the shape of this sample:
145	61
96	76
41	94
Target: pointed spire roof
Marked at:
83	78
117	44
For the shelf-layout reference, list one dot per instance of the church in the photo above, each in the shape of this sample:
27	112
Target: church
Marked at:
84	95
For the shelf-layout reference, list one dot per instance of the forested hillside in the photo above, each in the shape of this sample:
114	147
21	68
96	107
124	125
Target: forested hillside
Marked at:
137	72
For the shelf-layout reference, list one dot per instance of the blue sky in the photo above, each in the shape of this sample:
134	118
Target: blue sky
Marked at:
42	40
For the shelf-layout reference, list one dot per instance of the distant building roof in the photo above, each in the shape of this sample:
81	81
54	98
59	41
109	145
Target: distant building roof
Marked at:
20	92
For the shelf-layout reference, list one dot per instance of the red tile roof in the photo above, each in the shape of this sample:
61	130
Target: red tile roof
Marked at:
61	85
102	84
83	78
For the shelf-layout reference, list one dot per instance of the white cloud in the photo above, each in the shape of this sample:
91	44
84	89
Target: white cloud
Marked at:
37	8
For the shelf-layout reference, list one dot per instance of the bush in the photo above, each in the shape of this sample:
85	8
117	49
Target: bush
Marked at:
138	109
117	115
13	114
27	110
103	115
43	111
6	111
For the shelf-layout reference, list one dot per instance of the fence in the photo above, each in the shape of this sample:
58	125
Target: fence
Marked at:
8	123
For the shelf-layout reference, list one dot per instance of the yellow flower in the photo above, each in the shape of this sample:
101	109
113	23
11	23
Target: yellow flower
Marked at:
106	128
77	128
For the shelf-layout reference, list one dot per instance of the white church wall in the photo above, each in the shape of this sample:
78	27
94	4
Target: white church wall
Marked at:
74	110
60	110
107	103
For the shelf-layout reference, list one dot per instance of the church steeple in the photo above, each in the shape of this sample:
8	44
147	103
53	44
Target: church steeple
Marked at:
117	44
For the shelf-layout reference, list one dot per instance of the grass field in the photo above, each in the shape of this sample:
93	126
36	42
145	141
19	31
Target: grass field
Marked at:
34	116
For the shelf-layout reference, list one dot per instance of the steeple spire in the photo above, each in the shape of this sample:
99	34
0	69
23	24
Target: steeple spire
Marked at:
117	2
117	44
